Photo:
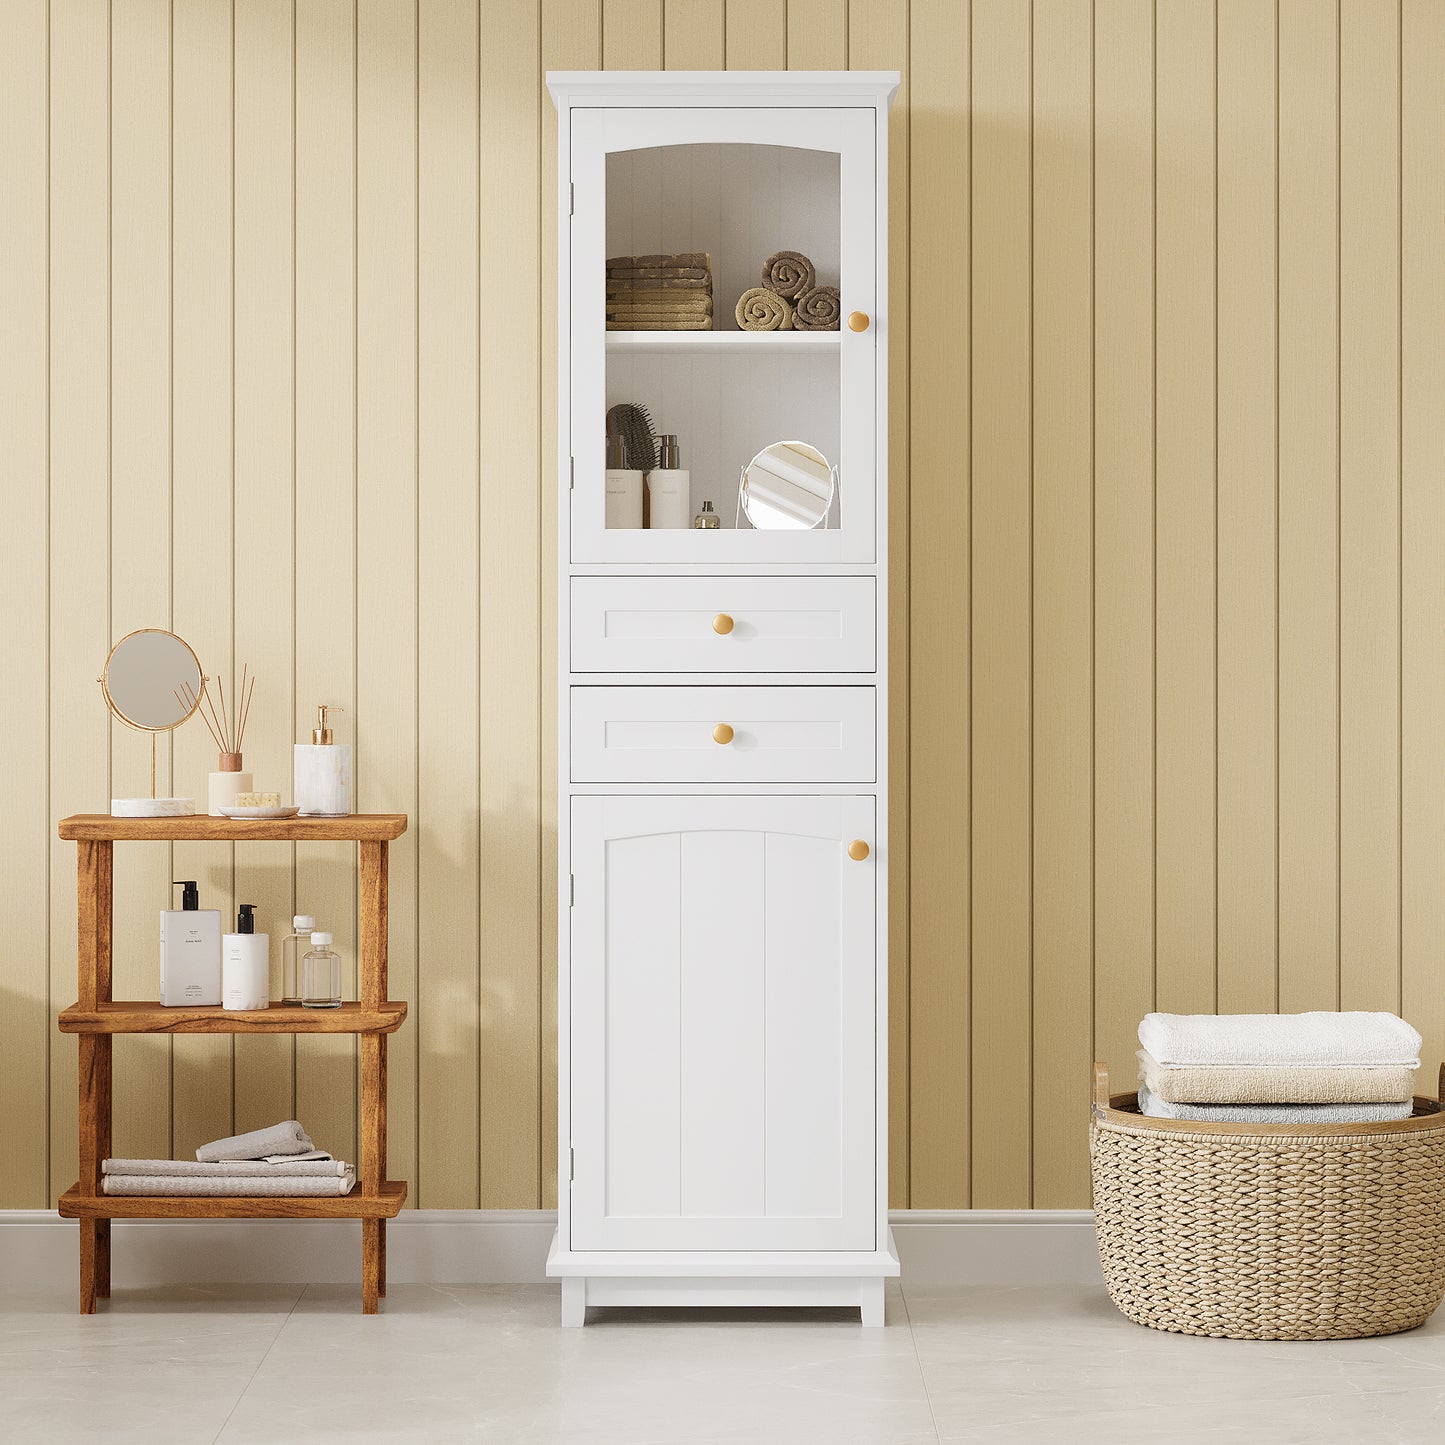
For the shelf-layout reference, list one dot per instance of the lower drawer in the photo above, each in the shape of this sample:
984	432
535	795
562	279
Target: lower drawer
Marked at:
723	734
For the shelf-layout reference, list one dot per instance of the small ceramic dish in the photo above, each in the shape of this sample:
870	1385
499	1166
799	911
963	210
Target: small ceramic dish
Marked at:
247	814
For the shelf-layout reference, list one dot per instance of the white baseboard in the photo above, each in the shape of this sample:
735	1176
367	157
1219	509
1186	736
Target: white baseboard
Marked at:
468	1246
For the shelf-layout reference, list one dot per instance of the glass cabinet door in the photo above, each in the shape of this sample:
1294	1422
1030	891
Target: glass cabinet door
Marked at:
674	214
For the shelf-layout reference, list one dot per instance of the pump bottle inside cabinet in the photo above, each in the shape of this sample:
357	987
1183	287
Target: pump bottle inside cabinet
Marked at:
669	489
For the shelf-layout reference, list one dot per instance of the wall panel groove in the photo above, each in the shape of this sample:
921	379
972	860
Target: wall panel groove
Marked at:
1165	321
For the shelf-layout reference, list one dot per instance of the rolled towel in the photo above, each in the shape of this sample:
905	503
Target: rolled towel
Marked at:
244	1185
1277	1083
818	310
789	273
251	1168
286	1138
1157	1108
1369	1039
764	310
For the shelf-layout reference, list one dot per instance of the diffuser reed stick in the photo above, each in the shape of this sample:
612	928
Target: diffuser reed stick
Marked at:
226	727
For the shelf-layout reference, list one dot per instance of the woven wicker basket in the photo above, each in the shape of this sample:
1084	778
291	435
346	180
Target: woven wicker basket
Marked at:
1269	1231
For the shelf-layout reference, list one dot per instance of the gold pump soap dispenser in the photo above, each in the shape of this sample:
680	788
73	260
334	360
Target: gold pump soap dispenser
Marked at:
322	771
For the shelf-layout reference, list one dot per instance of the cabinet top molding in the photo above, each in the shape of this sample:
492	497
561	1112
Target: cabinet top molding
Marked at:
722	87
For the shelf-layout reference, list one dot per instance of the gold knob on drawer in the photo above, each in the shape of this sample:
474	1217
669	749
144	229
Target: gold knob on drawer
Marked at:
857	850
722	733
722	624
857	321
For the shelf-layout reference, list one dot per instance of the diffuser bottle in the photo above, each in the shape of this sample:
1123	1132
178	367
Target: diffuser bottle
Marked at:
246	964
223	785
669	489
624	488
190	952
322	767
293	946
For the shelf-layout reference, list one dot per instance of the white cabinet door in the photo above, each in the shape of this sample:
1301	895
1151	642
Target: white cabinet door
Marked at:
722	1024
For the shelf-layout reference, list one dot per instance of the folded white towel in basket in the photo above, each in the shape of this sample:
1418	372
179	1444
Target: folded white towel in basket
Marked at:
1157	1108
1319	1040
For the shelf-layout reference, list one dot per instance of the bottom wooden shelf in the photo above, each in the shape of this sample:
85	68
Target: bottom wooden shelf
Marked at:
356	1205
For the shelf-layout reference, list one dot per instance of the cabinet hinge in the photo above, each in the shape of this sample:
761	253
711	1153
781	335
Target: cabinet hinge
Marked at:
571	1165
572	198
571	890
571	473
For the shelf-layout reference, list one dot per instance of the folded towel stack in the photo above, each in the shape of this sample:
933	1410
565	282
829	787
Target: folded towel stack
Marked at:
660	293
1313	1068
277	1161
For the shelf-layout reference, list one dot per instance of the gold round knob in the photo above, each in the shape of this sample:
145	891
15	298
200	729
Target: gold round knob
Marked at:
857	321
722	624
857	850
722	733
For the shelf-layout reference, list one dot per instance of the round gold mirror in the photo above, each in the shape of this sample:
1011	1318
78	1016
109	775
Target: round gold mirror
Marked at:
788	486
152	682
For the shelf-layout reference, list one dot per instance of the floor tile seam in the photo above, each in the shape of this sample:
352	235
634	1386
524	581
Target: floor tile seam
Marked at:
236	1403
918	1361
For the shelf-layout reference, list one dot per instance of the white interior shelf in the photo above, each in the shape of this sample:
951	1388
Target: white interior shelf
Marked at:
724	343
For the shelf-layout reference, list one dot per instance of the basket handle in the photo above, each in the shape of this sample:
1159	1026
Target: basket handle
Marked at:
1101	1084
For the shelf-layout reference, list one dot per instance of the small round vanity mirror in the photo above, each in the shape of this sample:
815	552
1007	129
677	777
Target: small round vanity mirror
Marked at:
788	485
152	682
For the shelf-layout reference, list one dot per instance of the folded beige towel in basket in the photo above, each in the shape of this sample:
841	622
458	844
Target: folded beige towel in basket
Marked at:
1277	1083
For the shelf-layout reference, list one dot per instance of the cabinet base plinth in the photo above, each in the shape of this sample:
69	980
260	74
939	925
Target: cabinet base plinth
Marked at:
709	1292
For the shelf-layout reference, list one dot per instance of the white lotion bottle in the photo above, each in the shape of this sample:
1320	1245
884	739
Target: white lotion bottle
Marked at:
669	490
624	489
246	964
322	772
190	952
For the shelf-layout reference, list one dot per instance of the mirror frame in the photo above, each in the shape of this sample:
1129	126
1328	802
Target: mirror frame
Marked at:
110	702
822	523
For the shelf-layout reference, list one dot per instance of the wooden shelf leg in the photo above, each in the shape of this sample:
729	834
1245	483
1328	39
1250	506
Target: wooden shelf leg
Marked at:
102	1258
381	1257
93	957
370	1265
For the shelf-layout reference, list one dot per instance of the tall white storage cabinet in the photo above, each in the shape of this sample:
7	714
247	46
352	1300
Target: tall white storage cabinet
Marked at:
722	828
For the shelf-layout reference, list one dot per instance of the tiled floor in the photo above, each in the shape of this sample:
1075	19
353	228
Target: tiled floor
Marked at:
490	1364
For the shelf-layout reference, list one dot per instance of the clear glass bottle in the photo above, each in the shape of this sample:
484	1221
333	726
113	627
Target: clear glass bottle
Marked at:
706	520
293	946
321	974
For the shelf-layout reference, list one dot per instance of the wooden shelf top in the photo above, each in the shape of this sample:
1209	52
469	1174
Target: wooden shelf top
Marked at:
356	1205
125	1016
358	828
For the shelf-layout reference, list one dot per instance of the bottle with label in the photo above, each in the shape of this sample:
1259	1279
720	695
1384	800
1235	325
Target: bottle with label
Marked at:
293	947
322	781
321	974
246	964
190	952
669	489
624	488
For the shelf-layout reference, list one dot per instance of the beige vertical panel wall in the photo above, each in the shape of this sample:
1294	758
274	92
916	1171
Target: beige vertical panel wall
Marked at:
1167	339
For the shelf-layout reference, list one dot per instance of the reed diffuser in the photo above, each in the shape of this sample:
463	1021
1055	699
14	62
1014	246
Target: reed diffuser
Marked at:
227	727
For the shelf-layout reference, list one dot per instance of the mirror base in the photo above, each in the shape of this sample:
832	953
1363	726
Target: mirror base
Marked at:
152	807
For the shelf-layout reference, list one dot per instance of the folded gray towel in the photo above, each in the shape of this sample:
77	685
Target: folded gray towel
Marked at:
245	1185
290	1168
285	1138
1157	1108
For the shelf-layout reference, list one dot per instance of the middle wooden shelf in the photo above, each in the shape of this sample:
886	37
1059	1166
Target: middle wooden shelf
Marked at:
124	1016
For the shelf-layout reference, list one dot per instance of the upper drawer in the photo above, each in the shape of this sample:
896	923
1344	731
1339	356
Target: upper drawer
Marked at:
723	734
723	624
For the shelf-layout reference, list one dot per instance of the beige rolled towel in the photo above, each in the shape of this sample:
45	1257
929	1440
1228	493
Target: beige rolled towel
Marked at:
763	310
818	309
1276	1083
789	273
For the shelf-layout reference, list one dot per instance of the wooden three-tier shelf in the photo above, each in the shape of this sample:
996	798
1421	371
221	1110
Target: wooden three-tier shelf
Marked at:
96	1018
